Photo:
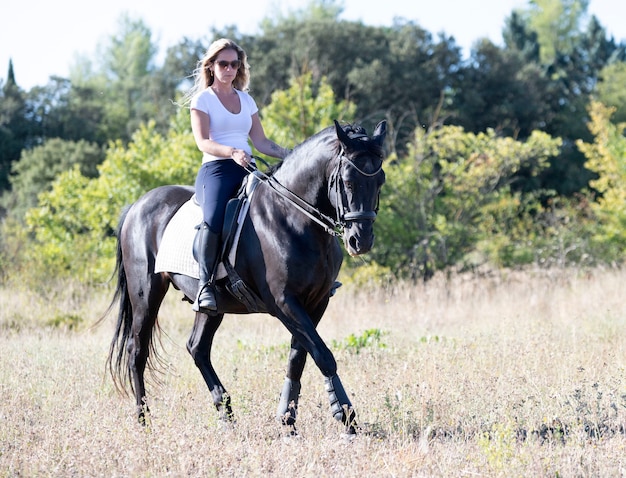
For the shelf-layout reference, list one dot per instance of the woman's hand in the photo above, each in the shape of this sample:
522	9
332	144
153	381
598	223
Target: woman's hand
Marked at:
241	157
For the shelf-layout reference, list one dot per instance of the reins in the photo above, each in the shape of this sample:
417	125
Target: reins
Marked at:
332	227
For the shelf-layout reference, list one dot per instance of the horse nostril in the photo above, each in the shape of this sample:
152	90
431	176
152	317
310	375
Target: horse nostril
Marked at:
355	245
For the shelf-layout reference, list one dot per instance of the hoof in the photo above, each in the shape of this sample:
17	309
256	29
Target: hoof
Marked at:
333	289
347	437
225	425
143	416
291	436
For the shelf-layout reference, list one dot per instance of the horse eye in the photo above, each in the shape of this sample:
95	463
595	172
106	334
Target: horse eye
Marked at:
349	185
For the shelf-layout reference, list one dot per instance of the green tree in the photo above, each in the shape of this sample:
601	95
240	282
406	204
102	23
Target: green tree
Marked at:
127	66
68	112
399	72
178	67
502	91
38	167
15	126
435	204
571	56
606	156
73	223
104	101
519	36
557	23
295	114
610	90
129	86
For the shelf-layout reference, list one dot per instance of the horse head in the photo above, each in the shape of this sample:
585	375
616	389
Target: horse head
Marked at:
355	183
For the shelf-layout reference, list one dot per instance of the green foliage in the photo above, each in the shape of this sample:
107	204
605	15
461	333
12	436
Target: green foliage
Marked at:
14	239
610	90
399	72
15	129
74	223
557	25
299	112
366	274
570	55
130	87
65	321
370	338
606	156
435	206
546	230
38	167
503	91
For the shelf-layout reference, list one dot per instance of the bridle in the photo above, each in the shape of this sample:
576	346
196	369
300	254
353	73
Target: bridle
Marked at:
337	186
334	227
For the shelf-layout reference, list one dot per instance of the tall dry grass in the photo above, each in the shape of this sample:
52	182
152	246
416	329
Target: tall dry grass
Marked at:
509	375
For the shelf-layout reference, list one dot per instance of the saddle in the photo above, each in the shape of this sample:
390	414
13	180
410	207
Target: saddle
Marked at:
236	211
178	249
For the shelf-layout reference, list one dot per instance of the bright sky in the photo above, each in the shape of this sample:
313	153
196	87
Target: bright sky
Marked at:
43	37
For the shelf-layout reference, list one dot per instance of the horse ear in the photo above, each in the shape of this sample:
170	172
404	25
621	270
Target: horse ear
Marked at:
380	130
379	134
341	134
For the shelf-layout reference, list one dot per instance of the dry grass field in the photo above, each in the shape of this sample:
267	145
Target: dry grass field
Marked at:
514	375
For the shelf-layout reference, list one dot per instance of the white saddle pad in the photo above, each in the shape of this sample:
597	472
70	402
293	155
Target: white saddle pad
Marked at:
175	251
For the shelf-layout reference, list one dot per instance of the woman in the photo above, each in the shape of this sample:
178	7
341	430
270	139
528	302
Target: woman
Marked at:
223	117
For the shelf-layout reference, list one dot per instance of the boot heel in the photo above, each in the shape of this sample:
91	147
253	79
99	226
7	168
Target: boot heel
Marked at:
205	300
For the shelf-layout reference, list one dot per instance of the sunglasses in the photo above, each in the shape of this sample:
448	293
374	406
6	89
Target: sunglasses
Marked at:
235	64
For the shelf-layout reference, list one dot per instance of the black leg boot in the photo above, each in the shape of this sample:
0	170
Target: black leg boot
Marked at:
208	248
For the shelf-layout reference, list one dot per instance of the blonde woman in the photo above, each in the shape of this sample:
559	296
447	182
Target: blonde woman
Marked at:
223	118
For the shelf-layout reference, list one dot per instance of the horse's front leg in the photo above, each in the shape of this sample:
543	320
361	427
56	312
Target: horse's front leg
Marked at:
306	338
340	405
199	346
288	403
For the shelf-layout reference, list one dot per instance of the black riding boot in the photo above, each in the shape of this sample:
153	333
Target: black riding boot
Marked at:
208	248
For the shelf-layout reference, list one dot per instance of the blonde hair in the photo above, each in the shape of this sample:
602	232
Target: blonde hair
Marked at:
203	74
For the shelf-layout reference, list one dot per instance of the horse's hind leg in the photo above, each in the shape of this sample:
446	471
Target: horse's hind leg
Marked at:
199	346
146	299
288	403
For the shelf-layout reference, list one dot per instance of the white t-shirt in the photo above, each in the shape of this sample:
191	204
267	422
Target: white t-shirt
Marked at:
225	127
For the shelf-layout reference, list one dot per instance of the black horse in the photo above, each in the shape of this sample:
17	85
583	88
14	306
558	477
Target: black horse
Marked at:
288	257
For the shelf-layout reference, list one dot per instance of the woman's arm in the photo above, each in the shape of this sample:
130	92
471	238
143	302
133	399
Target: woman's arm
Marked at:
262	143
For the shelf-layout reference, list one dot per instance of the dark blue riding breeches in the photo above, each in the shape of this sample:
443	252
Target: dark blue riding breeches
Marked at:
216	183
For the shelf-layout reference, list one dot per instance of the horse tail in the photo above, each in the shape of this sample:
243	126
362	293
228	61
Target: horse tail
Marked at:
117	362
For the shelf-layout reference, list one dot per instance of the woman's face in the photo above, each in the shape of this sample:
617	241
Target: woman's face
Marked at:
226	66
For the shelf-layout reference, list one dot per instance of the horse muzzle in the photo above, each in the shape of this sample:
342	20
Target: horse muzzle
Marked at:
358	234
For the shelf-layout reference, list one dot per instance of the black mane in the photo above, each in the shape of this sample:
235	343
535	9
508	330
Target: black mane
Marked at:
353	130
